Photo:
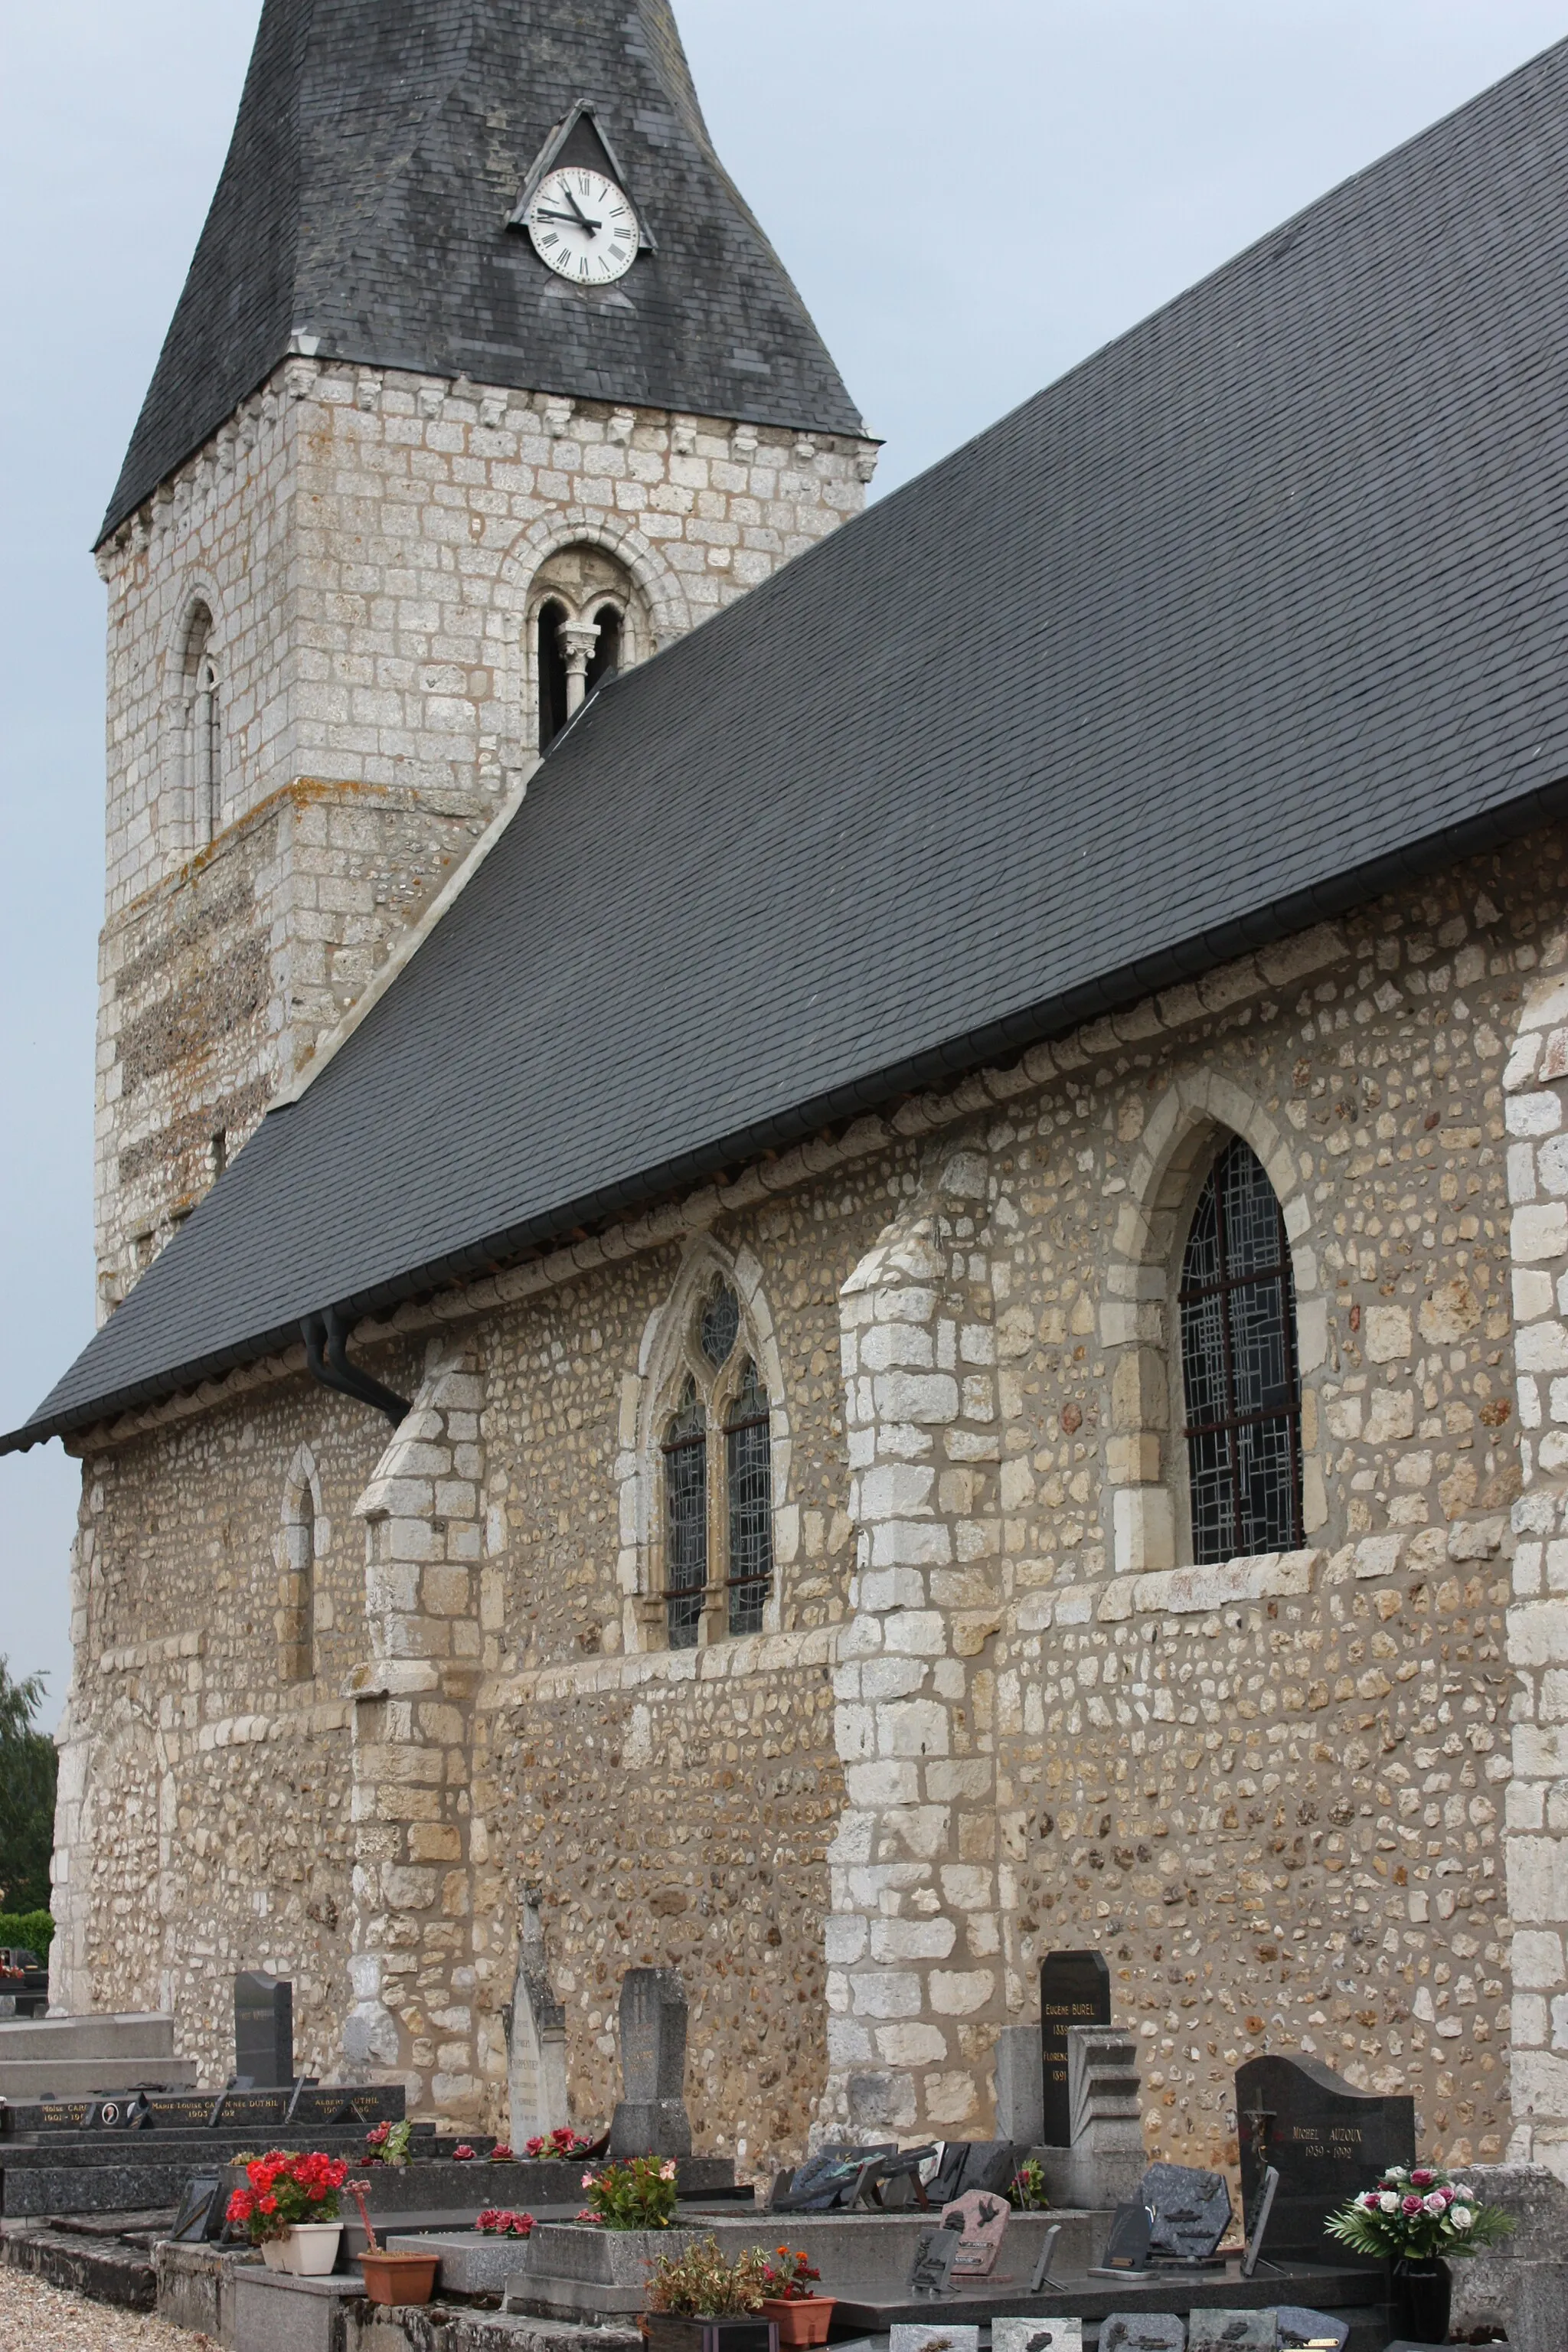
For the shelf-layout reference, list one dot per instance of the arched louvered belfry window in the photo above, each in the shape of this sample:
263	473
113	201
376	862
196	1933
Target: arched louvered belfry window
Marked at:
1240	1387
204	721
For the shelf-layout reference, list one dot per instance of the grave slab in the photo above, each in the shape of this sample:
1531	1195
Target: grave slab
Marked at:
1143	2331
934	2336
273	2314
1233	2331
1065	2335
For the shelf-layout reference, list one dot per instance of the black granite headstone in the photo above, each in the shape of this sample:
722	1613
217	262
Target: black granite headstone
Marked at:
1191	2211
263	2029
1075	1990
1327	2140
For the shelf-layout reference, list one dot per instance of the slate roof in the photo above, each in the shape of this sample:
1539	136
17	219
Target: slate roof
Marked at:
1260	608
378	152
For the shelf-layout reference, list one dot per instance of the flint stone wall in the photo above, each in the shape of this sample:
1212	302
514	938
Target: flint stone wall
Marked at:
365	541
999	1713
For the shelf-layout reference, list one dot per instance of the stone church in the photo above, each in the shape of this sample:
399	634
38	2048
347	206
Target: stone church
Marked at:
833	1245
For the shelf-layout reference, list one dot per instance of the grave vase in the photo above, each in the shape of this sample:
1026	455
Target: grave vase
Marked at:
1423	2294
667	2332
310	2249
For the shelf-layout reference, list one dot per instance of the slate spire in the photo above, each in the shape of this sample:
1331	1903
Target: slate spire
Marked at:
380	148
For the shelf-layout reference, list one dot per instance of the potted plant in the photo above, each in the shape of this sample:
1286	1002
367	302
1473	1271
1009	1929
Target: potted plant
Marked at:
639	2194
290	2210
800	2314
1419	2221
699	2302
391	2278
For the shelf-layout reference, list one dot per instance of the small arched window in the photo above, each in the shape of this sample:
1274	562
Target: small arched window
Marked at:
204	729
298	1629
589	621
1240	1387
718	1497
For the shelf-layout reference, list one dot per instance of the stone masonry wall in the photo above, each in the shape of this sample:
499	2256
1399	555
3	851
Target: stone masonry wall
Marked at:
365	543
997	1712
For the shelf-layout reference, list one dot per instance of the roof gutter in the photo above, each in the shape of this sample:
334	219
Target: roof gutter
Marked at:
1014	1033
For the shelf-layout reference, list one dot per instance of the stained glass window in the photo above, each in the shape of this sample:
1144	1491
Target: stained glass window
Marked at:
686	1517
1242	1396
748	1476
721	1324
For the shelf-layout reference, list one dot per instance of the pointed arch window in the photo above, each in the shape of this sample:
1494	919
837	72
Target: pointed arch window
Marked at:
1241	1388
717	1455
297	1625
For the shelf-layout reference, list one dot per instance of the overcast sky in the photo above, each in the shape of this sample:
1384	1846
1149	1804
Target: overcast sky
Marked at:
970	199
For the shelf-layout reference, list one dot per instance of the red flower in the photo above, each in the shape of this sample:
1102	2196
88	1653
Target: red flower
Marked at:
241	2206
462	2153
268	2204
1410	2205
501	2154
1422	2177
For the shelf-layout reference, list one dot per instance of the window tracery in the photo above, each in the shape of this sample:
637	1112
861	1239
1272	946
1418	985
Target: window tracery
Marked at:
1240	1381
716	1452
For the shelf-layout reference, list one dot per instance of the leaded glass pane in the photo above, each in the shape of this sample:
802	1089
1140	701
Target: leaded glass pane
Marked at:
686	1518
1239	1366
748	1476
721	1324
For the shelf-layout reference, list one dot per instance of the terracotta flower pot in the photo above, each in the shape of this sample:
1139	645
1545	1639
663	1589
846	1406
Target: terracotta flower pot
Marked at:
804	2319
398	2278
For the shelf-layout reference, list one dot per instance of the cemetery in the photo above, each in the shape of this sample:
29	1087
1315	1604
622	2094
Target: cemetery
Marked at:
1057	2237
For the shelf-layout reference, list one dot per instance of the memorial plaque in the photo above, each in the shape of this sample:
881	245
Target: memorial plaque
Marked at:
1311	2331
1127	2247
1233	2331
650	2117
1143	2331
982	2224
194	2220
1075	1990
1326	2141
933	2337
263	2029
1037	2335
931	2273
1191	2211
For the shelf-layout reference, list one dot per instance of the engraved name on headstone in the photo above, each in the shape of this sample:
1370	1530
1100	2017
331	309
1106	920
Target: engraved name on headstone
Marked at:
1075	1990
263	2029
1326	2140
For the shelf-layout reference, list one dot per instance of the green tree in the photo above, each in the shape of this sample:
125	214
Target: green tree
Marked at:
27	1765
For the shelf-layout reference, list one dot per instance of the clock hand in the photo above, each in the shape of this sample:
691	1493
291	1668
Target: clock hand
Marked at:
572	221
592	228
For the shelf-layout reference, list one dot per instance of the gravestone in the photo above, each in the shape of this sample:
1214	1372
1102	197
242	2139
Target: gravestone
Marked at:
1037	2335
263	2029
1191	2211
1143	2331
982	2224
651	2119
1326	2141
1075	1990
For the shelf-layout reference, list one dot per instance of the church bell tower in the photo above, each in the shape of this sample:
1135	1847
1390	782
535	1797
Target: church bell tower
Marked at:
484	383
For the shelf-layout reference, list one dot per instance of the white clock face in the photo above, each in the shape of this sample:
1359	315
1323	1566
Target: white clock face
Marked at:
583	227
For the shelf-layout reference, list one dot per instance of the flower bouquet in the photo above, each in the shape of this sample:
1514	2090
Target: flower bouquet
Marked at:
1026	2191
388	2144
562	2143
499	2221
290	2209
1419	2221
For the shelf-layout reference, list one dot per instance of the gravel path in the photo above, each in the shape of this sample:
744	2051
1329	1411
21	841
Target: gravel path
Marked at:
35	2317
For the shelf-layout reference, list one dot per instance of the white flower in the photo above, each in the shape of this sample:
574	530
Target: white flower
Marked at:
1462	2190
1460	2216
1436	2203
1396	2172
1389	2201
